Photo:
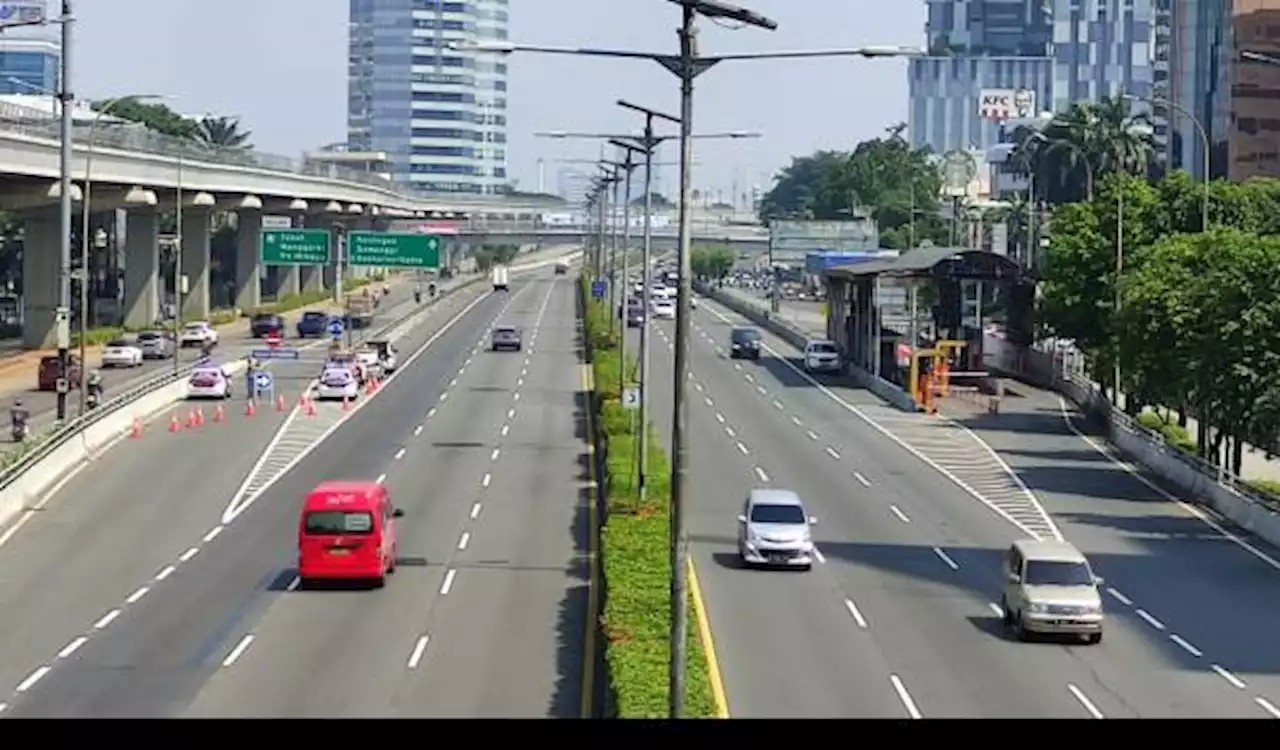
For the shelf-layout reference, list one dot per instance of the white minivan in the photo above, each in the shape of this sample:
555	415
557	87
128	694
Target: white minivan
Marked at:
500	274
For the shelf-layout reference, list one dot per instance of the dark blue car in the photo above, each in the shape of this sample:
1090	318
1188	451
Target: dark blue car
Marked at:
313	324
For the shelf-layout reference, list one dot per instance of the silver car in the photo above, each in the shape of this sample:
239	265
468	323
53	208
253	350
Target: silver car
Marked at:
775	530
156	344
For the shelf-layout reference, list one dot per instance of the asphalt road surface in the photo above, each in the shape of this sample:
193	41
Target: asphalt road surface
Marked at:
900	618
131	598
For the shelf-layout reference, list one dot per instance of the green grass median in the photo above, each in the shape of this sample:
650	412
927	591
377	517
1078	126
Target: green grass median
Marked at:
636	614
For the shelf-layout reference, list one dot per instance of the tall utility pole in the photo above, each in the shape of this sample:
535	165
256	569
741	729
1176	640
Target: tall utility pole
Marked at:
62	316
615	176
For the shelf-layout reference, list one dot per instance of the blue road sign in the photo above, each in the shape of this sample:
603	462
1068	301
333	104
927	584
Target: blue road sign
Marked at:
598	289
336	327
262	380
275	354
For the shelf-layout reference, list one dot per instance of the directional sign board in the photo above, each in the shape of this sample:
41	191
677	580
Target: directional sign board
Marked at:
262	381
275	354
336	327
598	289
393	249
295	247
631	398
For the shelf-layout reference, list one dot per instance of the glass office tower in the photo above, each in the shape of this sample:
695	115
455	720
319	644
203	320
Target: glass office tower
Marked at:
29	66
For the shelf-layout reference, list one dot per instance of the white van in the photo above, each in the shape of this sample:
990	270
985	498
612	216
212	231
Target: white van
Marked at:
500	278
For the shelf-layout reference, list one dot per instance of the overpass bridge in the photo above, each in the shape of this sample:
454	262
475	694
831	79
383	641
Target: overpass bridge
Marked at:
745	243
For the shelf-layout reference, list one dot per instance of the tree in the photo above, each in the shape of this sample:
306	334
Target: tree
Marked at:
712	261
655	200
223	132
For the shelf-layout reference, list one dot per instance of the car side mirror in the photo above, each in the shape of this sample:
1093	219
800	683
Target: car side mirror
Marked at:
1099	580
813	520
397	513
742	519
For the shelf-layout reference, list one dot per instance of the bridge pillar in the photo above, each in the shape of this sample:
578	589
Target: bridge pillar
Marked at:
249	259
40	251
310	278
288	280
142	268
195	263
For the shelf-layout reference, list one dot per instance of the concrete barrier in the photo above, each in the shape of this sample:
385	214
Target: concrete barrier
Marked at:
795	336
1190	477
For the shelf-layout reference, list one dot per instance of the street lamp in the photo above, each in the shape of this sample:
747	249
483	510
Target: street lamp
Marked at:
1204	142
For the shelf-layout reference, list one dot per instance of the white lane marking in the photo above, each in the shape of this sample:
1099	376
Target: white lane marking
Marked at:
750	378
720	418
135	596
106	619
833	453
213	534
761	475
494	455
1267	706
519	382
743	449
381	478
400	454
417	430
475	511
72	647
761	389
447	586
190	553
895	510
415	657
796	421
812	435
515	396
698	386
1079	695
238	651
861	479
817	553
1126	601
505	429
1228	676
453	382
431	412
444	396
729	431
777	404
944	557
32	679
737	366
294	584
857	616
524	371
907	701
511	413
165	573
995	608
1185	645
484	482
3	707
1152	621
1134	472
464	540
708	401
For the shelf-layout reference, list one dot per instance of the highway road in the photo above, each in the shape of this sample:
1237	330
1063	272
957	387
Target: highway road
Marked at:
899	618
134	598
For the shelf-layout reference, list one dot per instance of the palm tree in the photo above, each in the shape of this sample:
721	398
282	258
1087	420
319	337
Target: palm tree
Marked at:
223	133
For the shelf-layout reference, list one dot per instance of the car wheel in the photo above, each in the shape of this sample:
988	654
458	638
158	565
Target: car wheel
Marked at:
1093	639
807	567
1006	617
1019	630
380	581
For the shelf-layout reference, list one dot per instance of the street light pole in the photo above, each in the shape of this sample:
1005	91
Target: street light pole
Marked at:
62	332
1205	144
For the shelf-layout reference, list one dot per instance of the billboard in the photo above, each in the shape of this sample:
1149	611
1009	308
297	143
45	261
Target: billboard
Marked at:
1006	104
816	263
22	12
799	238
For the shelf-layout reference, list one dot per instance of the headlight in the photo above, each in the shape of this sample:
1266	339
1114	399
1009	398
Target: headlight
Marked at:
1091	609
1038	609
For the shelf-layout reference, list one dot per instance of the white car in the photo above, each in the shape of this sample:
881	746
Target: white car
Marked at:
821	356
368	359
337	383
121	353
199	333
664	308
209	382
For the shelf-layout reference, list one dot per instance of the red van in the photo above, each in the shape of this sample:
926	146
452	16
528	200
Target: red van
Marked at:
348	532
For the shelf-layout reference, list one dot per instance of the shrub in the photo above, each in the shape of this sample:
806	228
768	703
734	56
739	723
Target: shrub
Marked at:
1173	433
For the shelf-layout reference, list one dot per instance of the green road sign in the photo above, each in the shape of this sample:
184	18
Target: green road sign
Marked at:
295	247
392	249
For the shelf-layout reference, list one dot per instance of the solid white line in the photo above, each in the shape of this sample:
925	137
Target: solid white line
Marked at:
833	453
447	586
945	558
163	574
190	553
106	619
1267	706
1185	645
238	651
494	455
505	429
213	534
486	480
1153	622
763	476
895	510
475	511
857	616
418	649
135	596
32	679
462	542
1120	597
1079	695
904	696
743	449
72	647
861	479
1228	676
381	478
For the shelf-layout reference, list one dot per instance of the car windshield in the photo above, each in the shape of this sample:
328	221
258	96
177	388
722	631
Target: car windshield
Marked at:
195	328
777	514
1053	573
116	343
504	332
339	522
313	316
745	334
822	348
148	336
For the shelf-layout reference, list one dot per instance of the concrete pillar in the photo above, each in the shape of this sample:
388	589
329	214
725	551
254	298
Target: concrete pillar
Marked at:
288	280
311	278
40	250
195	263
142	267
249	260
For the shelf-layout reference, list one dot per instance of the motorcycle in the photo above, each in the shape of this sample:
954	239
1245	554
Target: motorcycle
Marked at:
417	296
20	432
92	399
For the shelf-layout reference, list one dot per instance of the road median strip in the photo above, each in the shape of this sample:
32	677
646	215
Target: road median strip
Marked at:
635	615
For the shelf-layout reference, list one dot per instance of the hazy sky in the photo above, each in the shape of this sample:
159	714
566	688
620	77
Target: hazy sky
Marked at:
281	66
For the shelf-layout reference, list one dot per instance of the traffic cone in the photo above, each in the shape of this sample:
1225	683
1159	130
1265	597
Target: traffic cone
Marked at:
219	414
250	408
311	408
280	403
192	420
135	431
174	424
200	415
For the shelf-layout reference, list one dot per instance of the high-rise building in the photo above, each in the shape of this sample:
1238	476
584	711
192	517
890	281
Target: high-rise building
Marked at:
439	114
1245	120
29	66
1103	48
997	28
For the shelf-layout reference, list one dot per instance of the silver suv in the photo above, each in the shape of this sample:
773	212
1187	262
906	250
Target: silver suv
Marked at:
775	530
1050	588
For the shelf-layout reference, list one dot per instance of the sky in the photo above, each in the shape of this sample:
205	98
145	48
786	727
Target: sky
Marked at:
280	65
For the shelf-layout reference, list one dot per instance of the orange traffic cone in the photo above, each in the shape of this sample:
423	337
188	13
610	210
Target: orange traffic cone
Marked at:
250	408
174	424
310	408
135	431
219	413
199	415
280	403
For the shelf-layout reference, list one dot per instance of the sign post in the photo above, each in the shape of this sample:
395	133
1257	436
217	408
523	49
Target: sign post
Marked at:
1006	104
393	249
295	247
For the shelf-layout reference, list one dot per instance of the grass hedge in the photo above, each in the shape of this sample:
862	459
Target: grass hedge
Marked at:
636	613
